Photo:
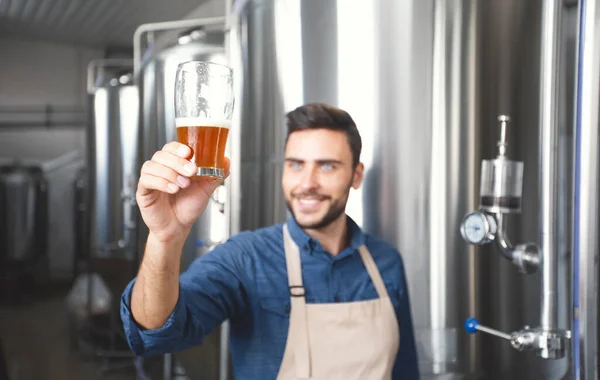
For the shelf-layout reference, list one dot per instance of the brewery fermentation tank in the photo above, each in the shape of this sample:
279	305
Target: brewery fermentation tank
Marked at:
156	81
425	81
158	49
23	226
112	159
23	214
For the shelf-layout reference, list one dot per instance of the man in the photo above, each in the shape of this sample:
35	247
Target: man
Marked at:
314	297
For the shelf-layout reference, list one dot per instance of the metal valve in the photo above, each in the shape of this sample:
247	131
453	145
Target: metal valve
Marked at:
547	344
500	194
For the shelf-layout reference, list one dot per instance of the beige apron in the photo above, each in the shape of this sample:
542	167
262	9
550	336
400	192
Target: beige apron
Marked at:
353	340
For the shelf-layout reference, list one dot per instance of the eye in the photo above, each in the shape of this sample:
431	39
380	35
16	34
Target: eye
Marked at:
327	167
295	165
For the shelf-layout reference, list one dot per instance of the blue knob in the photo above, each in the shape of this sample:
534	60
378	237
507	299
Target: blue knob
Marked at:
199	242
471	325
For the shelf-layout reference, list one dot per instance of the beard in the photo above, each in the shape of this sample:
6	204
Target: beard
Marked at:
336	208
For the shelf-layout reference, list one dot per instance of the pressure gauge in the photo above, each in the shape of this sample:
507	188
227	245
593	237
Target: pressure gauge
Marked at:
478	228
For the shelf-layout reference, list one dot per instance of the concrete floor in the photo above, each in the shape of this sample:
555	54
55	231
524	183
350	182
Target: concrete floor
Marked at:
36	344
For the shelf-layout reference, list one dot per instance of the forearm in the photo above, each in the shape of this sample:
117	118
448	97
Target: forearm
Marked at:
156	289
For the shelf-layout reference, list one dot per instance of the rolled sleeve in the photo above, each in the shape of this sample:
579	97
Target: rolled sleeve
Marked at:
145	342
211	291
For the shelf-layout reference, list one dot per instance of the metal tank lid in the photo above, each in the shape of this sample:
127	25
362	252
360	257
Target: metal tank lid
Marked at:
210	37
113	79
17	171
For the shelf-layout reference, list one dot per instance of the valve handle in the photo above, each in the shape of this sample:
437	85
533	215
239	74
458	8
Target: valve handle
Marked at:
472	325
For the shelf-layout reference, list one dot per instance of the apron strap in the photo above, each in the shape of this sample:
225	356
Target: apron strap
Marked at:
367	259
299	327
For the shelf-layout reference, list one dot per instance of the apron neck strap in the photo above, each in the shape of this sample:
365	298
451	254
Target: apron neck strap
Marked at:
294	267
373	271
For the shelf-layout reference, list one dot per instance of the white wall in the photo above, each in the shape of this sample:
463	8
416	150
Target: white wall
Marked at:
34	73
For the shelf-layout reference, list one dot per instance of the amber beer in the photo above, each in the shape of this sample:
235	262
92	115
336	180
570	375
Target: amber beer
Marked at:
207	138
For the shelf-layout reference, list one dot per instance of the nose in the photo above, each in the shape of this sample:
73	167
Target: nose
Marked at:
309	178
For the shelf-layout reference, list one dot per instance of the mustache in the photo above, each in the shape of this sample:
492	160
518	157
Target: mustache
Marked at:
311	194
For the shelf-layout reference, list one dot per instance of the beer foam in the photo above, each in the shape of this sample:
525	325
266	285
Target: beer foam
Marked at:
201	122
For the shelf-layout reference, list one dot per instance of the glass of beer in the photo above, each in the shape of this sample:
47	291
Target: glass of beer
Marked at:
203	110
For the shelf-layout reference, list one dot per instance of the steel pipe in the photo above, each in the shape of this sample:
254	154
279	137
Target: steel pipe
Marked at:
585	210
548	119
164	26
96	64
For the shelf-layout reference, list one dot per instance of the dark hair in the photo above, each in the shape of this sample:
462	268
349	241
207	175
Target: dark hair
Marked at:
321	115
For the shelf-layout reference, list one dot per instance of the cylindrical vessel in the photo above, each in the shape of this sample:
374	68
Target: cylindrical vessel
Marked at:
23	227
24	213
112	164
424	80
156	81
586	244
501	185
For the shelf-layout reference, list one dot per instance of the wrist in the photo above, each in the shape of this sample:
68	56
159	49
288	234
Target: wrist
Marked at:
164	254
168	239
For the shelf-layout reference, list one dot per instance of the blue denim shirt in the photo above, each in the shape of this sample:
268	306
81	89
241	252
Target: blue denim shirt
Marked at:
245	280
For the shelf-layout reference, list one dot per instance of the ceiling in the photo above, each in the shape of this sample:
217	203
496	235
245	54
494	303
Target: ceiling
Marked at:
101	23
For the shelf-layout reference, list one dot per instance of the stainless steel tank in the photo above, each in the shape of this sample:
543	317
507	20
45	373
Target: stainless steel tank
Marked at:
23	227
425	81
23	212
156	81
158	50
112	158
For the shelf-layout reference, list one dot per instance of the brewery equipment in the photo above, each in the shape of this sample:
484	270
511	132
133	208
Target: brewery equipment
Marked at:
501	184
585	243
159	55
425	81
24	212
158	49
23	225
500	193
112	158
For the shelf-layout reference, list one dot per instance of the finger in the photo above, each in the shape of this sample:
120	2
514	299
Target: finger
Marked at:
149	183
161	171
170	160
178	149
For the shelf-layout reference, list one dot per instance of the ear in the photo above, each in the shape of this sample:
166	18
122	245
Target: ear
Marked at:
358	175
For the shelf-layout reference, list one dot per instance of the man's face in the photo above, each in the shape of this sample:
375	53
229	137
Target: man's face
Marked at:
318	175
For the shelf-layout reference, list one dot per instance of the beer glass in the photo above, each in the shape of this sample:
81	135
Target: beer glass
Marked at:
203	110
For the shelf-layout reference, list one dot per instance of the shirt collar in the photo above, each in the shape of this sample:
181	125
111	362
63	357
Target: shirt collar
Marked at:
303	240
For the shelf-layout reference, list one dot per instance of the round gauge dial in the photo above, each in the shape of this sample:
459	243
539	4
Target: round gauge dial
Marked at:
478	228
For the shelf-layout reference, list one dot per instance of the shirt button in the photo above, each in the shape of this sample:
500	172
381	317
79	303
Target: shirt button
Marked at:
287	309
337	298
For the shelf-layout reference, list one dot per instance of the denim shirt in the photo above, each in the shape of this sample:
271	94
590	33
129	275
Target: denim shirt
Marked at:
245	281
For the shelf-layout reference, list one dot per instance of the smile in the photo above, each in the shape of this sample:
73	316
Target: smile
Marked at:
309	201
309	204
